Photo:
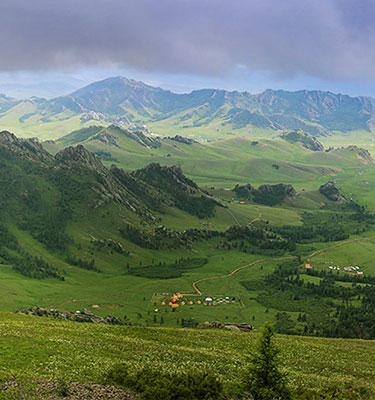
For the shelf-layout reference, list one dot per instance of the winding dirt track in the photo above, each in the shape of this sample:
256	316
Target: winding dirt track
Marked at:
337	245
256	218
199	293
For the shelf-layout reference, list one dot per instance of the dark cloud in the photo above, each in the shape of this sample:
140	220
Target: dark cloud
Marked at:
330	39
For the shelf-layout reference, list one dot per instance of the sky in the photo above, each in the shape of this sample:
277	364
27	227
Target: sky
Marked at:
50	48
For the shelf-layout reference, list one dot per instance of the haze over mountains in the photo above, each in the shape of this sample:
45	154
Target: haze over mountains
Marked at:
128	102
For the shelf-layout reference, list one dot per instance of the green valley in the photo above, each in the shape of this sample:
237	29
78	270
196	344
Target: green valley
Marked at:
121	241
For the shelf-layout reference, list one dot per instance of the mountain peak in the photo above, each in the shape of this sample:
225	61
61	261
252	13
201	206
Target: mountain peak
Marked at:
7	137
25	148
79	156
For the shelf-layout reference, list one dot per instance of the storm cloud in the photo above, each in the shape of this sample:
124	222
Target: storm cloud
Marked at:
331	39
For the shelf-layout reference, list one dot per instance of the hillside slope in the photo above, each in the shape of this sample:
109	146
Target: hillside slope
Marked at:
93	349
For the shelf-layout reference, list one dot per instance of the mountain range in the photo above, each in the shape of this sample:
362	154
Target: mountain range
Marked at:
201	113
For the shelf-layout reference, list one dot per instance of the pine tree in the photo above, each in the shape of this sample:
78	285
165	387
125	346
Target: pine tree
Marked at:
263	379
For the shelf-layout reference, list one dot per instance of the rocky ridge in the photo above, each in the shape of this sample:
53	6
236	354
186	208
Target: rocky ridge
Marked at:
28	149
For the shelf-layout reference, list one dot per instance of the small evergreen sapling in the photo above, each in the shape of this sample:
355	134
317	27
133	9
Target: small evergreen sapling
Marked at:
263	378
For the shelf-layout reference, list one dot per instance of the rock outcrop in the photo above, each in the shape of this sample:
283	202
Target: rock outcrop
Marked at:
266	194
273	194
167	176
107	187
79	156
332	192
244	191
110	244
78	316
106	138
138	136
229	326
27	149
308	141
183	139
287	189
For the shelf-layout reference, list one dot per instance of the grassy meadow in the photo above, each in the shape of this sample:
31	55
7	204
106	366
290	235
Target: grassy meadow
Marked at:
84	352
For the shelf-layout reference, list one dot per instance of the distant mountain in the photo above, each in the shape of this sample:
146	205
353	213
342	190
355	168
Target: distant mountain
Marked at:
132	104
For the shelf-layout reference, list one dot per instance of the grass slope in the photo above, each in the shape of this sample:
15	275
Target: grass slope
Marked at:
84	352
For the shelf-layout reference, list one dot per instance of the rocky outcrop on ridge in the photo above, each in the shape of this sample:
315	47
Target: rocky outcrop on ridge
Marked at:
308	141
106	138
78	316
332	192
182	139
28	149
229	326
244	191
266	194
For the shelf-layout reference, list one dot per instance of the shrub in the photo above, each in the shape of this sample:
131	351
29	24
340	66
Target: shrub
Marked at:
157	385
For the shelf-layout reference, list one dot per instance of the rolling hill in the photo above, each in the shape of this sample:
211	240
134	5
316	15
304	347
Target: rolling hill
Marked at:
224	163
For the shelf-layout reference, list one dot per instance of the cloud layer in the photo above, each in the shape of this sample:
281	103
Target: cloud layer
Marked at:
331	39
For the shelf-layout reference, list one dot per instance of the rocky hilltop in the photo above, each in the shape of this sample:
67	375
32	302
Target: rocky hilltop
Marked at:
110	135
229	326
28	149
303	138
77	316
332	192
182	139
266	194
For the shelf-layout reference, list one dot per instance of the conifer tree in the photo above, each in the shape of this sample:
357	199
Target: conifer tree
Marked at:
263	379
